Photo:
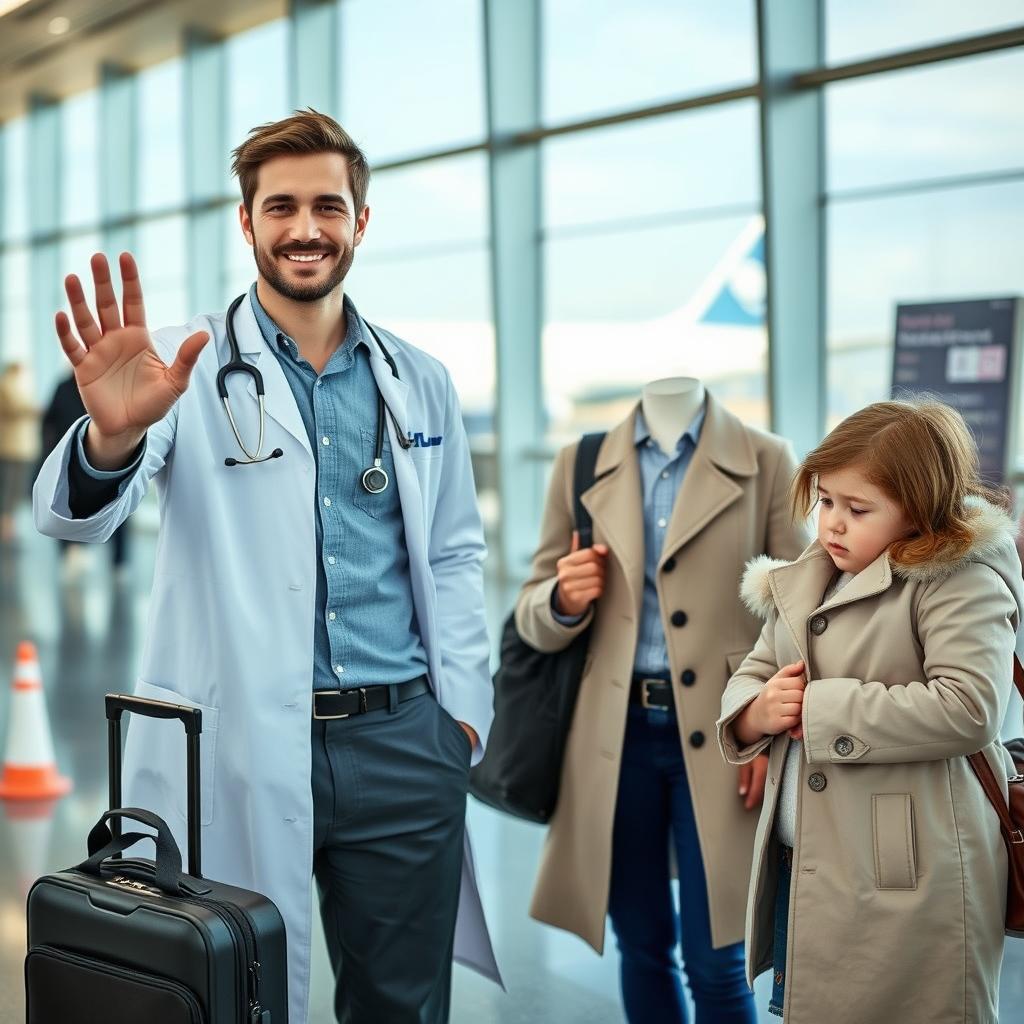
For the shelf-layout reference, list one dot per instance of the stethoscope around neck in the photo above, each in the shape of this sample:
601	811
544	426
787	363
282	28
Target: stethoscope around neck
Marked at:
374	479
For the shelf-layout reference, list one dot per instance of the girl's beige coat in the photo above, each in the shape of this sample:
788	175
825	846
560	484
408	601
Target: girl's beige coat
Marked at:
732	506
899	872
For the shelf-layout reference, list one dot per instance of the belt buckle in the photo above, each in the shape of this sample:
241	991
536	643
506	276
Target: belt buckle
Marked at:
645	696
349	714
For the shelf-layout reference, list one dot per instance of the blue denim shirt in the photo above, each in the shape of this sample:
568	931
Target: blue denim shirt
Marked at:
366	630
661	479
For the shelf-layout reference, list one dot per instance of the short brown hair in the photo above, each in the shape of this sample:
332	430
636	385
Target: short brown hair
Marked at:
922	455
306	131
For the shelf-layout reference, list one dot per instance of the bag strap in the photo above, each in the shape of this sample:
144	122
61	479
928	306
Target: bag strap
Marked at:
582	480
1012	832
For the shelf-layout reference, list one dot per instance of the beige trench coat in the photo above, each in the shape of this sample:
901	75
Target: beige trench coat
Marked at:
732	506
899	871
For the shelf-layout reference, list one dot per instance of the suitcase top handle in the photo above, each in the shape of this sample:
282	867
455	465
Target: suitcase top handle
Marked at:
103	844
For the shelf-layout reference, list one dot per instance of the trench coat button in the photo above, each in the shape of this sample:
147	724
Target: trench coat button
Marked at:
817	781
678	618
819	624
697	739
670	564
844	746
689	677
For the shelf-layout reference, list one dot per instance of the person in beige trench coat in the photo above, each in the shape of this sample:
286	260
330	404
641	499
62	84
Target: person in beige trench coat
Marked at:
897	906
732	505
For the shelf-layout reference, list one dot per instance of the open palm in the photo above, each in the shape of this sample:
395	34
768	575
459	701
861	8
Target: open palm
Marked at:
125	385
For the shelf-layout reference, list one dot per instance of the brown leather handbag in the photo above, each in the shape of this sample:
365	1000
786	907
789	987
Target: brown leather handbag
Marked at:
1011	817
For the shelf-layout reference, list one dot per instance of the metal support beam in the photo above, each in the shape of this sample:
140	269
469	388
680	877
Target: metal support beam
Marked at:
206	154
313	55
790	43
512	32
44	204
117	157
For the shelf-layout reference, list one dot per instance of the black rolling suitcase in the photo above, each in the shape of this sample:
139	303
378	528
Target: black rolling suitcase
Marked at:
135	941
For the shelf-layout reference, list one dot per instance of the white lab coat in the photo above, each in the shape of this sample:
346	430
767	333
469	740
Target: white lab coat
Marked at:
232	610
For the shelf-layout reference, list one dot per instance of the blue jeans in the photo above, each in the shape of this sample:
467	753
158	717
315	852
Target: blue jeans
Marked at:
781	942
653	807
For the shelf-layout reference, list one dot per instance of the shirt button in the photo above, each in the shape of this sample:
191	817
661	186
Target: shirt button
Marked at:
327	502
330	559
844	746
663	522
319	383
325	440
664	475
339	669
817	781
819	624
332	616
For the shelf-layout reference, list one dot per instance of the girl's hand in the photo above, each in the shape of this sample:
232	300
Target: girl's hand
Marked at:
776	709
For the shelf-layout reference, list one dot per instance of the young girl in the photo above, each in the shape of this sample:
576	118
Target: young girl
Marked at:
879	882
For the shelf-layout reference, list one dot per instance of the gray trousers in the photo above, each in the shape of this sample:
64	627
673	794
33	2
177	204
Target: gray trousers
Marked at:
389	804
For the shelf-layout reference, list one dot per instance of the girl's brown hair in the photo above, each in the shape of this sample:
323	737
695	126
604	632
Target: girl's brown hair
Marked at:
922	455
306	131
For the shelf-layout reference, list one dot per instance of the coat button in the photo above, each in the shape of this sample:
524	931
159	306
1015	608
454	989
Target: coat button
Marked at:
670	564
697	739
689	677
844	746
819	624
678	618
817	781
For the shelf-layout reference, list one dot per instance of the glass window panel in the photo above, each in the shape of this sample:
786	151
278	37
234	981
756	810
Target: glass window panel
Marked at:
855	29
15	199
257	84
647	169
604	55
412	75
161	157
440	201
624	308
161	260
931	122
16	336
442	304
942	245
80	160
239	267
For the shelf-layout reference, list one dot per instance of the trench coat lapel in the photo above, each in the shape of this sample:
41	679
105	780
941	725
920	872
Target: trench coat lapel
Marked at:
615	504
723	452
279	401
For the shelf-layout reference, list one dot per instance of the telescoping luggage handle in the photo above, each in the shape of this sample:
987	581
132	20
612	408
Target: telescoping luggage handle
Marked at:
192	719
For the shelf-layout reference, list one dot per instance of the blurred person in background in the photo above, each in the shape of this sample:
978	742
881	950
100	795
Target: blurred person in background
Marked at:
19	445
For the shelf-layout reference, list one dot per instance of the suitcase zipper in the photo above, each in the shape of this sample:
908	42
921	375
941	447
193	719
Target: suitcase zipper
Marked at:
102	966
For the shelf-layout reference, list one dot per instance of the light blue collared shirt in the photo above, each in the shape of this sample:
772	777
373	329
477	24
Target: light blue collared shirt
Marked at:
661	479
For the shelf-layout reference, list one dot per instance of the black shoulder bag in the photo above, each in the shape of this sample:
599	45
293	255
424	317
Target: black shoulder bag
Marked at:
535	697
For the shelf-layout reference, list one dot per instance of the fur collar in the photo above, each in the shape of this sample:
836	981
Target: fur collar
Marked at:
992	529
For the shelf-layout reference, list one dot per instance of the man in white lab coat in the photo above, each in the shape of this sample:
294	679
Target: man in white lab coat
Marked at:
318	587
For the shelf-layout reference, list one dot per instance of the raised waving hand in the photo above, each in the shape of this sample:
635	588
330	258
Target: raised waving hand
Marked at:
125	385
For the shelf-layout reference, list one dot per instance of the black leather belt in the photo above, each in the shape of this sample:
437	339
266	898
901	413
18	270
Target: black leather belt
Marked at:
651	692
329	704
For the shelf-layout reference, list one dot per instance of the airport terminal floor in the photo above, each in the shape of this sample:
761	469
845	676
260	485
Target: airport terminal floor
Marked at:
88	627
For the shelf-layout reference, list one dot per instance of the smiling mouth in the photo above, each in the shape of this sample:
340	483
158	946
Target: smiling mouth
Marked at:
310	258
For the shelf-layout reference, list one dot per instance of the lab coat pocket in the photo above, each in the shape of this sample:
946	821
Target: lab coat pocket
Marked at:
892	821
155	755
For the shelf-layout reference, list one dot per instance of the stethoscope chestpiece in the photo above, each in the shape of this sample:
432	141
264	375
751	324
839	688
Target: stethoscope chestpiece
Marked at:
375	479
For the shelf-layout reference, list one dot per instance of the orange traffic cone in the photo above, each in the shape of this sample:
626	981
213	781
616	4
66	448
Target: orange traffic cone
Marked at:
30	772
